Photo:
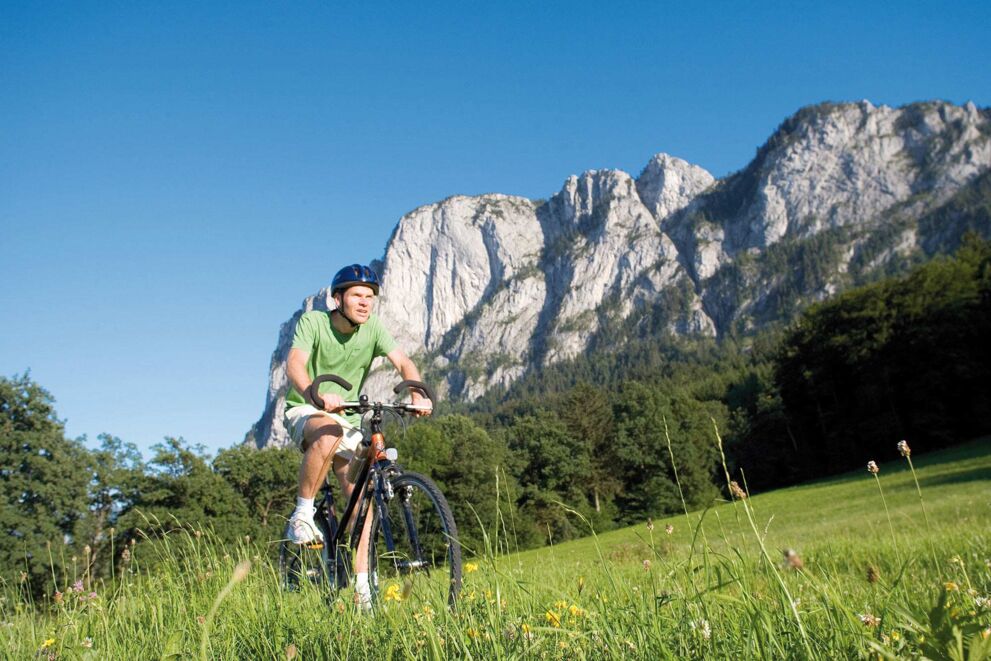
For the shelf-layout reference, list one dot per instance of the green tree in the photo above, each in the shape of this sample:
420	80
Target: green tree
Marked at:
464	461
180	489
553	467
265	479
44	479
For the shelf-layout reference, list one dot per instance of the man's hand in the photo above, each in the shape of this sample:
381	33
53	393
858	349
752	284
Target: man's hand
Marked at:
332	402
416	399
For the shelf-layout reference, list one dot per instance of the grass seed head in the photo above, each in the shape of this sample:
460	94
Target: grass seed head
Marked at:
904	449
873	575
669	529
792	560
869	620
737	492
872	467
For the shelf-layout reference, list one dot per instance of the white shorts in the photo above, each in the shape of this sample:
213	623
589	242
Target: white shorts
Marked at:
297	416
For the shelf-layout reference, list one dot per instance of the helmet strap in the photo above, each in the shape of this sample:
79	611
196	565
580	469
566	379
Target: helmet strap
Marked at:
340	310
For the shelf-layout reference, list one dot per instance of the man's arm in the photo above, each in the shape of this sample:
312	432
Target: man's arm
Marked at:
408	371
300	379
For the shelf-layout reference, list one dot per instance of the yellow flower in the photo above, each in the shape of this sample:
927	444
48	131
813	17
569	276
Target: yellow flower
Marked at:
471	567
48	643
576	611
553	618
951	586
895	635
525	628
392	593
560	604
472	633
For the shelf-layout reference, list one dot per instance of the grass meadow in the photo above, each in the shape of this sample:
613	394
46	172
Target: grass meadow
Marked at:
886	565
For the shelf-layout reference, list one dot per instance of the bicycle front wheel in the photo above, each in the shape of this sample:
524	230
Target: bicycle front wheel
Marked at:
414	555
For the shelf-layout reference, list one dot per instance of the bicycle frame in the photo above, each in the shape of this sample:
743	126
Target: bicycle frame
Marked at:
370	478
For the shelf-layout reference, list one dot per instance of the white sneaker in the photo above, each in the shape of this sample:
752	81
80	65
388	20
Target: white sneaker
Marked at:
302	529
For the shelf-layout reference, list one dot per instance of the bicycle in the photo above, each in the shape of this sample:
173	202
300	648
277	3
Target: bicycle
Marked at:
413	544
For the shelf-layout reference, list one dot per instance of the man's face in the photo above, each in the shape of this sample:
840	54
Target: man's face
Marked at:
357	302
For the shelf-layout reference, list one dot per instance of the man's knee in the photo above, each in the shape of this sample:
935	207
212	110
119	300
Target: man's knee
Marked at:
324	441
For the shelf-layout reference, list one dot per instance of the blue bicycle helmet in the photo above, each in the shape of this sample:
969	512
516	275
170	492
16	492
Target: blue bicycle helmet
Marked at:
356	274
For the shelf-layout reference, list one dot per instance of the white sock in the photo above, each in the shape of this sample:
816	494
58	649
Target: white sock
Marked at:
363	590
304	504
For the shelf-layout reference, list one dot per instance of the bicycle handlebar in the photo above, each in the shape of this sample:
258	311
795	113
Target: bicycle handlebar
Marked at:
314	394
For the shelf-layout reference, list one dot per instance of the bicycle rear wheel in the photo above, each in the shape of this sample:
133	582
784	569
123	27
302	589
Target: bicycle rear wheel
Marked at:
414	555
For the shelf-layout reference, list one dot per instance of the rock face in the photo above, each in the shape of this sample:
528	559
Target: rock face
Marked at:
483	289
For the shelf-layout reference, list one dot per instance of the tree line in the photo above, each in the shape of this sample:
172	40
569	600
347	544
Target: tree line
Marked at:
602	441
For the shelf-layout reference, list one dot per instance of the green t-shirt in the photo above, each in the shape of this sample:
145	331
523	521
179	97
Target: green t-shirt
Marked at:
347	355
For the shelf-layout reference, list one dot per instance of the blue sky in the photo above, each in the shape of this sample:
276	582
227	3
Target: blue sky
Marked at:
176	177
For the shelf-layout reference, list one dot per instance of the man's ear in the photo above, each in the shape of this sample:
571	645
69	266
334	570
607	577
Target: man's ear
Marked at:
338	299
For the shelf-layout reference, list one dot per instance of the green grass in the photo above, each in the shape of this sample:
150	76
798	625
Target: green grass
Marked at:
701	591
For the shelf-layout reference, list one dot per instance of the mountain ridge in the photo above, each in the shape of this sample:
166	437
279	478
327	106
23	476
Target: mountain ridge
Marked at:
483	289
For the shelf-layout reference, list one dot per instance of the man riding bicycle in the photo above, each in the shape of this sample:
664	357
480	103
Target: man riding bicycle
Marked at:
343	341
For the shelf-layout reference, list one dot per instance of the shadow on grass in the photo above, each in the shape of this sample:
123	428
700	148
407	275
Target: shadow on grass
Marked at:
957	477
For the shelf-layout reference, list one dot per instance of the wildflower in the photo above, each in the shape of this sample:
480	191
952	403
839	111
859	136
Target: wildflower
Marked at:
951	586
895	635
737	492
48	643
792	560
472	633
58	597
646	565
471	567
563	645
872	467
904	449
869	620
125	556
650	525
77	586
87	642
575	611
669	529
873	575
703	628
553	618
983	602
91	596
392	593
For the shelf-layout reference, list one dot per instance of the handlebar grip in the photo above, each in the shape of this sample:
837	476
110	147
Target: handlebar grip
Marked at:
314	390
419	385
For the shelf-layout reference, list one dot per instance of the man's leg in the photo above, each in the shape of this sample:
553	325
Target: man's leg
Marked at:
321	436
363	594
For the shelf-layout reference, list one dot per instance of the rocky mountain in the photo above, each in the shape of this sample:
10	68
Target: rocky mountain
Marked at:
482	289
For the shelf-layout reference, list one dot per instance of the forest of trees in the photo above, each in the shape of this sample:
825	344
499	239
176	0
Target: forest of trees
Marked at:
906	357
